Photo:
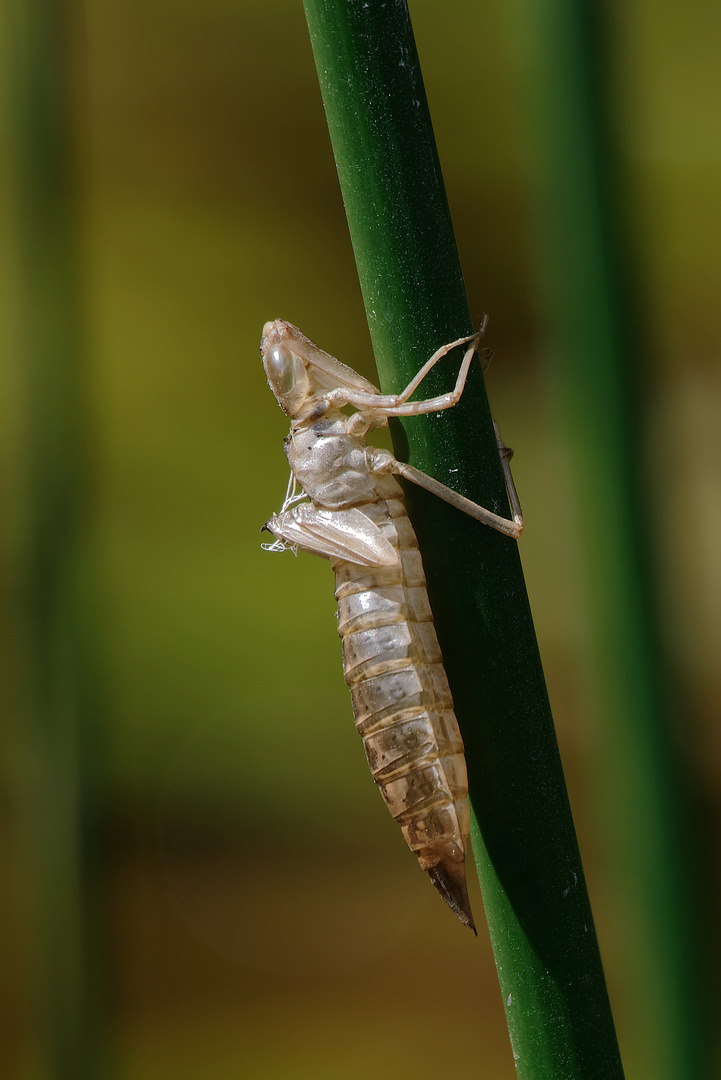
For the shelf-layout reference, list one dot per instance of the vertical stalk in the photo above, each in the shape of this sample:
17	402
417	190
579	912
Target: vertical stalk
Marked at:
527	854
56	711
599	352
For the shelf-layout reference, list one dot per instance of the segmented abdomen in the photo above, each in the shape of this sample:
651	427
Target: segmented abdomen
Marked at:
402	703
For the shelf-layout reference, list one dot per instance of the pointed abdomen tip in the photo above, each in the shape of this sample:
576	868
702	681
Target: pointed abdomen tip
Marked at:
450	880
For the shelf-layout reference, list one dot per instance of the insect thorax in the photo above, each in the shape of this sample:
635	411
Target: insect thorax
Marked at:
330	465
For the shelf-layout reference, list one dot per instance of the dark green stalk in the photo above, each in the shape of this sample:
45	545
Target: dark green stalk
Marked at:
529	865
52	638
599	350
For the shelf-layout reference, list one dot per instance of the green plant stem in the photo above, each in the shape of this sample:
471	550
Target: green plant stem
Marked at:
598	348
527	855
57	709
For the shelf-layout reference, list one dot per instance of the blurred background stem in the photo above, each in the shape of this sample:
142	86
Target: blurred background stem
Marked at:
532	880
57	696
586	283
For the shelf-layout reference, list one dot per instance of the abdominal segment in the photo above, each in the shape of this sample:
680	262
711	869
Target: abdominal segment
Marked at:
403	706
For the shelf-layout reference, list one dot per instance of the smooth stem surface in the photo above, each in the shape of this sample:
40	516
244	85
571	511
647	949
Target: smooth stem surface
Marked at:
583	259
51	640
528	860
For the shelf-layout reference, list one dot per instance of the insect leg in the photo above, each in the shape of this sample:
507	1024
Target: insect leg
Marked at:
383	461
438	355
385	405
503	525
506	454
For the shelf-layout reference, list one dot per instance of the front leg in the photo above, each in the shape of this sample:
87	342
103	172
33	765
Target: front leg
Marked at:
378	407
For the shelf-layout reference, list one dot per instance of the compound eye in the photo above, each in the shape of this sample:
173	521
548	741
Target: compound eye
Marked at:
280	369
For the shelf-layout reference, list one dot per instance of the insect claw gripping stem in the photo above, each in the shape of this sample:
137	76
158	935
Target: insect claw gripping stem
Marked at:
355	516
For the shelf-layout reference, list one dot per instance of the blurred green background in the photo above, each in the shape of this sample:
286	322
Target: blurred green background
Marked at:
260	915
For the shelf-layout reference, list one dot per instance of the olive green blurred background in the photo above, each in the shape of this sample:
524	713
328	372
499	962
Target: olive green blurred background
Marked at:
262	916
